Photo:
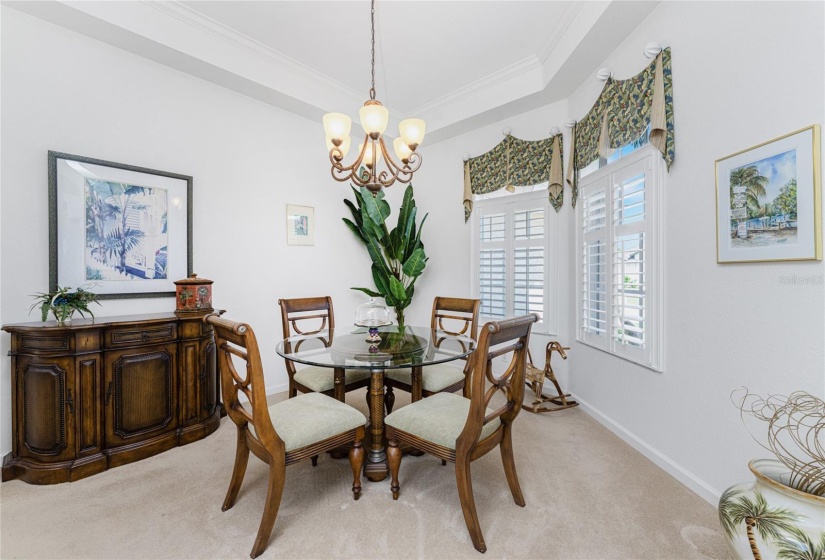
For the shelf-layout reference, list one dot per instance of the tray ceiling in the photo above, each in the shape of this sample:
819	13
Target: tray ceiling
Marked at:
456	64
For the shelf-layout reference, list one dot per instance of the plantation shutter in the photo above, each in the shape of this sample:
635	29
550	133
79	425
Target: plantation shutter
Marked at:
528	262
594	265
492	265
629	279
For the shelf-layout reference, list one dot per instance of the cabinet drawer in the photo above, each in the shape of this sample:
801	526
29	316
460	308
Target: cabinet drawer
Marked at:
138	335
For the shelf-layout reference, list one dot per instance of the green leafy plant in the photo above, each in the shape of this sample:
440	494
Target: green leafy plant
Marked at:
398	257
63	302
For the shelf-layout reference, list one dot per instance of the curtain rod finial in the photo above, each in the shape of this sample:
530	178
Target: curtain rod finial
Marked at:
652	49
570	124
466	156
555	131
506	131
604	74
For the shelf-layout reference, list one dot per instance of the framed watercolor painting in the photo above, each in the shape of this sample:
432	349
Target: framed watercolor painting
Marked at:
300	225
122	230
768	201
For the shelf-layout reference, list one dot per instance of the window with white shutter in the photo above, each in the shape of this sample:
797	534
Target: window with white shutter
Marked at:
619	258
511	258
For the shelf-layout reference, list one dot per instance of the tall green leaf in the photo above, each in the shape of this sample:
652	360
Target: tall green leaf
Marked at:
407	234
416	243
367	291
381	279
397	289
414	265
355	229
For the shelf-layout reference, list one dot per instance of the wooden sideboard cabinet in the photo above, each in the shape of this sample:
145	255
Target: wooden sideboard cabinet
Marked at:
98	394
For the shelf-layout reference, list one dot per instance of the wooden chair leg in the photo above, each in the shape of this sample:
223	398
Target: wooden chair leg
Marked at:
238	471
468	504
389	399
356	461
394	460
293	391
275	489
508	459
314	460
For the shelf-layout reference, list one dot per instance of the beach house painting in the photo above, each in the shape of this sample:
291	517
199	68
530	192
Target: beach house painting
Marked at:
126	231
763	202
768	201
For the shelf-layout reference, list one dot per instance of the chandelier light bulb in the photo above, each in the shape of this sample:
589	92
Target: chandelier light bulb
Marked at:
370	160
374	118
401	149
337	125
412	131
344	147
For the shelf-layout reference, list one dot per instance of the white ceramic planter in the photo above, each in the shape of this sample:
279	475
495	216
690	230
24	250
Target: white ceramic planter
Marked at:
768	519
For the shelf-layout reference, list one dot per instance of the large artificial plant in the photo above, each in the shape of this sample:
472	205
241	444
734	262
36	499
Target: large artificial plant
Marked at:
398	257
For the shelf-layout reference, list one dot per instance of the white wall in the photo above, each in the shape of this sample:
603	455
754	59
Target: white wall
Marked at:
62	91
743	73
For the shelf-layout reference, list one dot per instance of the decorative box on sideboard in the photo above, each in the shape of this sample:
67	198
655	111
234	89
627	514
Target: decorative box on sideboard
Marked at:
98	394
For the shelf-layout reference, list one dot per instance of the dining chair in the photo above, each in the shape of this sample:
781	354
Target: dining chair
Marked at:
462	317
281	434
459	429
296	315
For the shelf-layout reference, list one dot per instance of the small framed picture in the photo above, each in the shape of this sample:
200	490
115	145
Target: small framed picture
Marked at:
124	231
300	225
768	201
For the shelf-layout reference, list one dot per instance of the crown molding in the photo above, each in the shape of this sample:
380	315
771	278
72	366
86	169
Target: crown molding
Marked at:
558	31
524	66
193	18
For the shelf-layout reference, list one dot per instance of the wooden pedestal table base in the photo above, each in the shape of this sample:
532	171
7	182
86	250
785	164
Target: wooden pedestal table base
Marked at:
375	467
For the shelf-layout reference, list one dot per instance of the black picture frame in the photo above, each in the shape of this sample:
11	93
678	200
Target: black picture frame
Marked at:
62	165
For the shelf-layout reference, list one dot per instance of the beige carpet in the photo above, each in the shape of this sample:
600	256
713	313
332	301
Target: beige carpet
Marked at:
589	495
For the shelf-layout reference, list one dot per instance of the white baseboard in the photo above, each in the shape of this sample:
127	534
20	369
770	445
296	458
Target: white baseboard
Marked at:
696	484
275	389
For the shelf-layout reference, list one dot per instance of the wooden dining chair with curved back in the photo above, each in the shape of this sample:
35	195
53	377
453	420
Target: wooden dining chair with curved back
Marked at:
281	434
459	429
461	316
308	316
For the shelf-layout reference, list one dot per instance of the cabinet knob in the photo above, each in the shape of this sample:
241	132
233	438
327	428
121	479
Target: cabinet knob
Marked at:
109	393
70	402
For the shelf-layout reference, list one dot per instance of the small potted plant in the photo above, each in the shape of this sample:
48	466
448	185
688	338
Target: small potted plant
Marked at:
781	514
63	302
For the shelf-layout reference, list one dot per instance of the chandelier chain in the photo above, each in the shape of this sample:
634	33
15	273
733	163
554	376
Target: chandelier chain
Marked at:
372	21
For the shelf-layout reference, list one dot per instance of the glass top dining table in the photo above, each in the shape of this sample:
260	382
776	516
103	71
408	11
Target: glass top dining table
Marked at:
408	347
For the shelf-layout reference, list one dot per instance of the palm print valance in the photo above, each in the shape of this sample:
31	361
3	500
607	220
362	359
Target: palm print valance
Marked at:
516	162
622	114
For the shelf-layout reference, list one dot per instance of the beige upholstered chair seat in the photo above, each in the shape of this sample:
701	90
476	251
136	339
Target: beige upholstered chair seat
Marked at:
310	418
320	379
434	378
439	419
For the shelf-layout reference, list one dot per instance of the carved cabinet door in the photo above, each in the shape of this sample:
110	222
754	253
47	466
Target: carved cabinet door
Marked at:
140	393
46	404
209	379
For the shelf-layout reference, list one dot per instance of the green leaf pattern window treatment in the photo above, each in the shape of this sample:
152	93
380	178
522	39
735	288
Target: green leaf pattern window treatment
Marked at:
516	162
622	113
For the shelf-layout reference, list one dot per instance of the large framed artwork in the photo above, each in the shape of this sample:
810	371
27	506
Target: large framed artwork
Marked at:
768	201
300	225
123	231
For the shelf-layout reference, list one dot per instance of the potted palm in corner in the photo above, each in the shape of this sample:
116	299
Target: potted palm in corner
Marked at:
397	255
782	513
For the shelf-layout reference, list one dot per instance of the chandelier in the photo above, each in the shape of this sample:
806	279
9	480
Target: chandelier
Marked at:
374	118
